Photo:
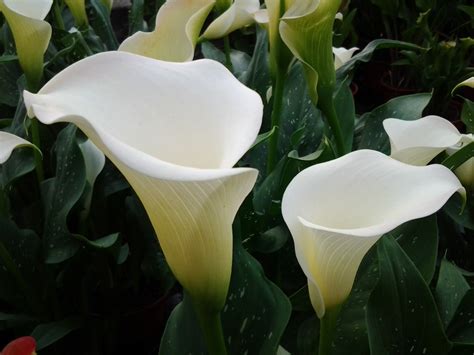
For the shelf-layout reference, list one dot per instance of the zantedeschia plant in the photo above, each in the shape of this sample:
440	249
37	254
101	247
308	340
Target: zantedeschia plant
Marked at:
8	143
26	21
337	210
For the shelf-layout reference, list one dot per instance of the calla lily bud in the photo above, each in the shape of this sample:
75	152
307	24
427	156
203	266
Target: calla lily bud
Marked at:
30	32
175	135
337	210
78	11
306	28
178	24
418	142
342	55
238	15
468	82
8	143
21	346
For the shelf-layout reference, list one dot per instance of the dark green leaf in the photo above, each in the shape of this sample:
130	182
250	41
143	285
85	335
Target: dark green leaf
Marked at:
467	115
419	239
269	241
366	54
450	290
402	316
465	153
101	243
49	333
461	327
261	138
100	21
407	108
344	103
254	317
60	194
9	73
135	19
462	214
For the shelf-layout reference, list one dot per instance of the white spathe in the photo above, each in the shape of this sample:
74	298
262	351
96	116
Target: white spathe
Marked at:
240	14
337	210
178	24
418	142
8	143
342	55
175	130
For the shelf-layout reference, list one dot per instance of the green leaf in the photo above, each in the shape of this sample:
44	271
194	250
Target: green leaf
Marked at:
49	333
345	108
402	316
467	115
135	18
100	21
450	290
60	194
261	138
461	213
269	241
464	154
254	317
461	327
409	108
257	75
366	54
20	251
9	73
419	239
101	243
240	60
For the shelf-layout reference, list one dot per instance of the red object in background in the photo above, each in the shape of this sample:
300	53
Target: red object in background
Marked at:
20	346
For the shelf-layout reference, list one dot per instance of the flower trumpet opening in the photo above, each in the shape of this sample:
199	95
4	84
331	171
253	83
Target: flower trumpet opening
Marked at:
337	210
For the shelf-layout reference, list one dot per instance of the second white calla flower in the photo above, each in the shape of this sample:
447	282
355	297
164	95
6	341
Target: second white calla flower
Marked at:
175	130
337	210
418	142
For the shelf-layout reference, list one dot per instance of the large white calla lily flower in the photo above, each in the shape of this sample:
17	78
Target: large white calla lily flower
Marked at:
418	142
178	24
30	32
175	130
337	210
8	143
240	14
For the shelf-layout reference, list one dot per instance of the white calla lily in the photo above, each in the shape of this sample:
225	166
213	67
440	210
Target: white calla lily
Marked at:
240	14
8	143
468	82
30	32
177	28
337	210
418	142
175	135
342	55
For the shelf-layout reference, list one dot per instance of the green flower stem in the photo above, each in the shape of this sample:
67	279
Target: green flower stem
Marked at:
3	202
326	330
57	16
227	50
277	97
326	103
211	326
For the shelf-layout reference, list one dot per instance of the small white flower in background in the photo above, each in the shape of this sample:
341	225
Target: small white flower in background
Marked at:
342	55
337	210
175	135
178	24
240	14
418	142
